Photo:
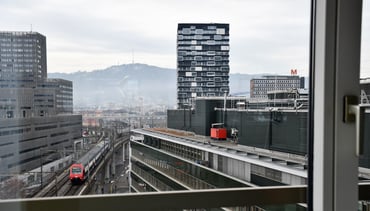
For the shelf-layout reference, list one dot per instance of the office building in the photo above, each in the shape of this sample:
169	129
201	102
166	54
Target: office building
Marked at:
36	113
22	59
202	61
260	87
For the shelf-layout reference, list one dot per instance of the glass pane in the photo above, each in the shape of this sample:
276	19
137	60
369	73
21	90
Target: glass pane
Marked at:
154	96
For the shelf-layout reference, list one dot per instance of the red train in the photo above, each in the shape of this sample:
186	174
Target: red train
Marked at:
79	171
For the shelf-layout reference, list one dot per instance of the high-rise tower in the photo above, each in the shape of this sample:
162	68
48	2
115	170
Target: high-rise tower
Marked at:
202	61
22	59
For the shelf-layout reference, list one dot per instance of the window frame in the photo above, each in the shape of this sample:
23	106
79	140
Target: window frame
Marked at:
336	31
336	35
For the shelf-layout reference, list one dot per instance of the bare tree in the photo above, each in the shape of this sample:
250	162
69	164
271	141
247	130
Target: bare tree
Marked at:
12	188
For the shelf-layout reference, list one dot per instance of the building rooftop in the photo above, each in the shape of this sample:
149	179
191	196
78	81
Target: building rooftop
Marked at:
286	162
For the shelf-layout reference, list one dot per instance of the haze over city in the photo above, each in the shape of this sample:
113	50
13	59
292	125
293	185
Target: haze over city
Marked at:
88	35
266	36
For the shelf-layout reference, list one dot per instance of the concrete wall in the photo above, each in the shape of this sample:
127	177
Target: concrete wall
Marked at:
281	131
277	130
198	120
22	138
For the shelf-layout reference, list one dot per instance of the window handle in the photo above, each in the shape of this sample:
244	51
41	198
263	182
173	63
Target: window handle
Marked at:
355	112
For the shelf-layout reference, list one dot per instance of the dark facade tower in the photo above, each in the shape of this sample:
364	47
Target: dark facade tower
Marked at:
202	61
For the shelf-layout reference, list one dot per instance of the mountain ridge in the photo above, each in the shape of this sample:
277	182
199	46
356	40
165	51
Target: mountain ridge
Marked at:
130	84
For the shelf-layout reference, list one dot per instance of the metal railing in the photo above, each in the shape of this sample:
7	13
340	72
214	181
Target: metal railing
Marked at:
138	186
151	179
173	200
169	170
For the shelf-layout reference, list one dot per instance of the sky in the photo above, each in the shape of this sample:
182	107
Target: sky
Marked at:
266	36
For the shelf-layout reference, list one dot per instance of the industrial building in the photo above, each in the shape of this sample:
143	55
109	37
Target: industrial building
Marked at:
269	149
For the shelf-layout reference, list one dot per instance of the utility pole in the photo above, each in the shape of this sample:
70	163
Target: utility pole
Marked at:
114	128
224	112
129	167
41	167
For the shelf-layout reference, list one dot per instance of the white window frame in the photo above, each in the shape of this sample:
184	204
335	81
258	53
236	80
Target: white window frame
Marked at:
336	47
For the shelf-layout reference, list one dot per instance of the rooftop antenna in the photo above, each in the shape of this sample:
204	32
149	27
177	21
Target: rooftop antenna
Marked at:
31	27
275	92
133	56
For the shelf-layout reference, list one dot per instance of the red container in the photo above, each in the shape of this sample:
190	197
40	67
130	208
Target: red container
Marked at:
218	133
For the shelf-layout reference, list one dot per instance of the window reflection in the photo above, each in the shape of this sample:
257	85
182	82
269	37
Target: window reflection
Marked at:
248	78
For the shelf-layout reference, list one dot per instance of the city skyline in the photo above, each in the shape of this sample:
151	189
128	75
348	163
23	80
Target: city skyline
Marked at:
267	36
90	35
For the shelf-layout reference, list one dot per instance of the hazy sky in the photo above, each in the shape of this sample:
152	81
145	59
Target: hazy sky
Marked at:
265	35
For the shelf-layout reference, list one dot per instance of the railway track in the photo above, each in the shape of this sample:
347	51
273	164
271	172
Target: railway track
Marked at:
73	190
51	189
55	191
61	186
